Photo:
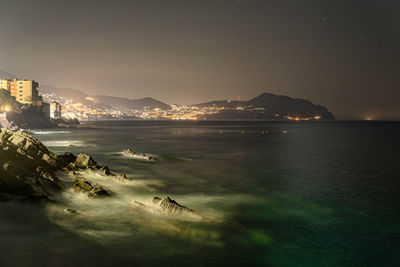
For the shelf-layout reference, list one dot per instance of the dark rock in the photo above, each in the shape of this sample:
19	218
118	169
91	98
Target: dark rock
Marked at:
70	211
67	158
128	152
26	166
172	207
87	187
105	170
85	161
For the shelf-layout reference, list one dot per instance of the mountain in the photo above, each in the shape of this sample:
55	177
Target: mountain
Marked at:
117	102
138	104
6	75
286	105
268	106
73	94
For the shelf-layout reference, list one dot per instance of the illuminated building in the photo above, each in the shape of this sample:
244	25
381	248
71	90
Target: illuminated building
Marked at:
24	91
55	110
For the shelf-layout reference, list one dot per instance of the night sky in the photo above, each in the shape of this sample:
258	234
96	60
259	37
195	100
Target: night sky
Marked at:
343	54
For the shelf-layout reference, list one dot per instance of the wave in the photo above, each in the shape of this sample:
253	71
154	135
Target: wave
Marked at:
50	132
66	143
105	219
143	157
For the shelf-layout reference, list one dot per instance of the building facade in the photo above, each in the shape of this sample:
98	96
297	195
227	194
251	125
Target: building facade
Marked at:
24	91
55	110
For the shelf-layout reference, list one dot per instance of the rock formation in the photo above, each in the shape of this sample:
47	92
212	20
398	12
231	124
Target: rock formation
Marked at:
166	206
27	167
172	207
130	153
84	162
87	187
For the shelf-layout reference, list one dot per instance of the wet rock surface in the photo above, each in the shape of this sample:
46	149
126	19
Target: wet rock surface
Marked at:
84	162
27	167
130	153
89	188
166	206
170	206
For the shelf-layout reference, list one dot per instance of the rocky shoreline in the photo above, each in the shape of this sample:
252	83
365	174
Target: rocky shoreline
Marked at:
28	168
28	172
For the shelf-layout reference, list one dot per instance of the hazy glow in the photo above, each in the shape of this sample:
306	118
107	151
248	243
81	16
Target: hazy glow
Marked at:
196	51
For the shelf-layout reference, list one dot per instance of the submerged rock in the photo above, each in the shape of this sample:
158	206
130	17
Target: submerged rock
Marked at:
87	187
70	211
170	206
166	206
142	207
130	153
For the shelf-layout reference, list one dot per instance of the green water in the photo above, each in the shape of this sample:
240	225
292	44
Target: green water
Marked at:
324	194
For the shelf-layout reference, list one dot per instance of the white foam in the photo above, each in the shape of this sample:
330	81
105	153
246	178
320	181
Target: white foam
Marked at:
66	143
143	157
112	217
50	132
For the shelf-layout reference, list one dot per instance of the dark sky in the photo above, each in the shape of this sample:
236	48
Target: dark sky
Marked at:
340	53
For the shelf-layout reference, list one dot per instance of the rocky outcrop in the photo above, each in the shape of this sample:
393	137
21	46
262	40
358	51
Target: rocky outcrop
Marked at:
26	166
172	207
130	153
166	206
85	186
84	162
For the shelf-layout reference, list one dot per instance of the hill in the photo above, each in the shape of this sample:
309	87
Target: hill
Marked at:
116	102
141	103
267	106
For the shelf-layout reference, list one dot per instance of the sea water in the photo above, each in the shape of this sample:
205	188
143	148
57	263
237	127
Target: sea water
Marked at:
270	193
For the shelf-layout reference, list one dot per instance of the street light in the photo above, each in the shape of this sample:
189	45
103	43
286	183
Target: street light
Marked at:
6	108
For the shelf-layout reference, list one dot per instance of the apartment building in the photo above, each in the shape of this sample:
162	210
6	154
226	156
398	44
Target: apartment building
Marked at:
24	91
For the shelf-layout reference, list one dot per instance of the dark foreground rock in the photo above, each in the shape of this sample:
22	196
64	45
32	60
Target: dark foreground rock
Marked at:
89	188
27	167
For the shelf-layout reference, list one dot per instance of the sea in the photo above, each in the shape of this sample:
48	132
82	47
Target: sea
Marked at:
269	193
